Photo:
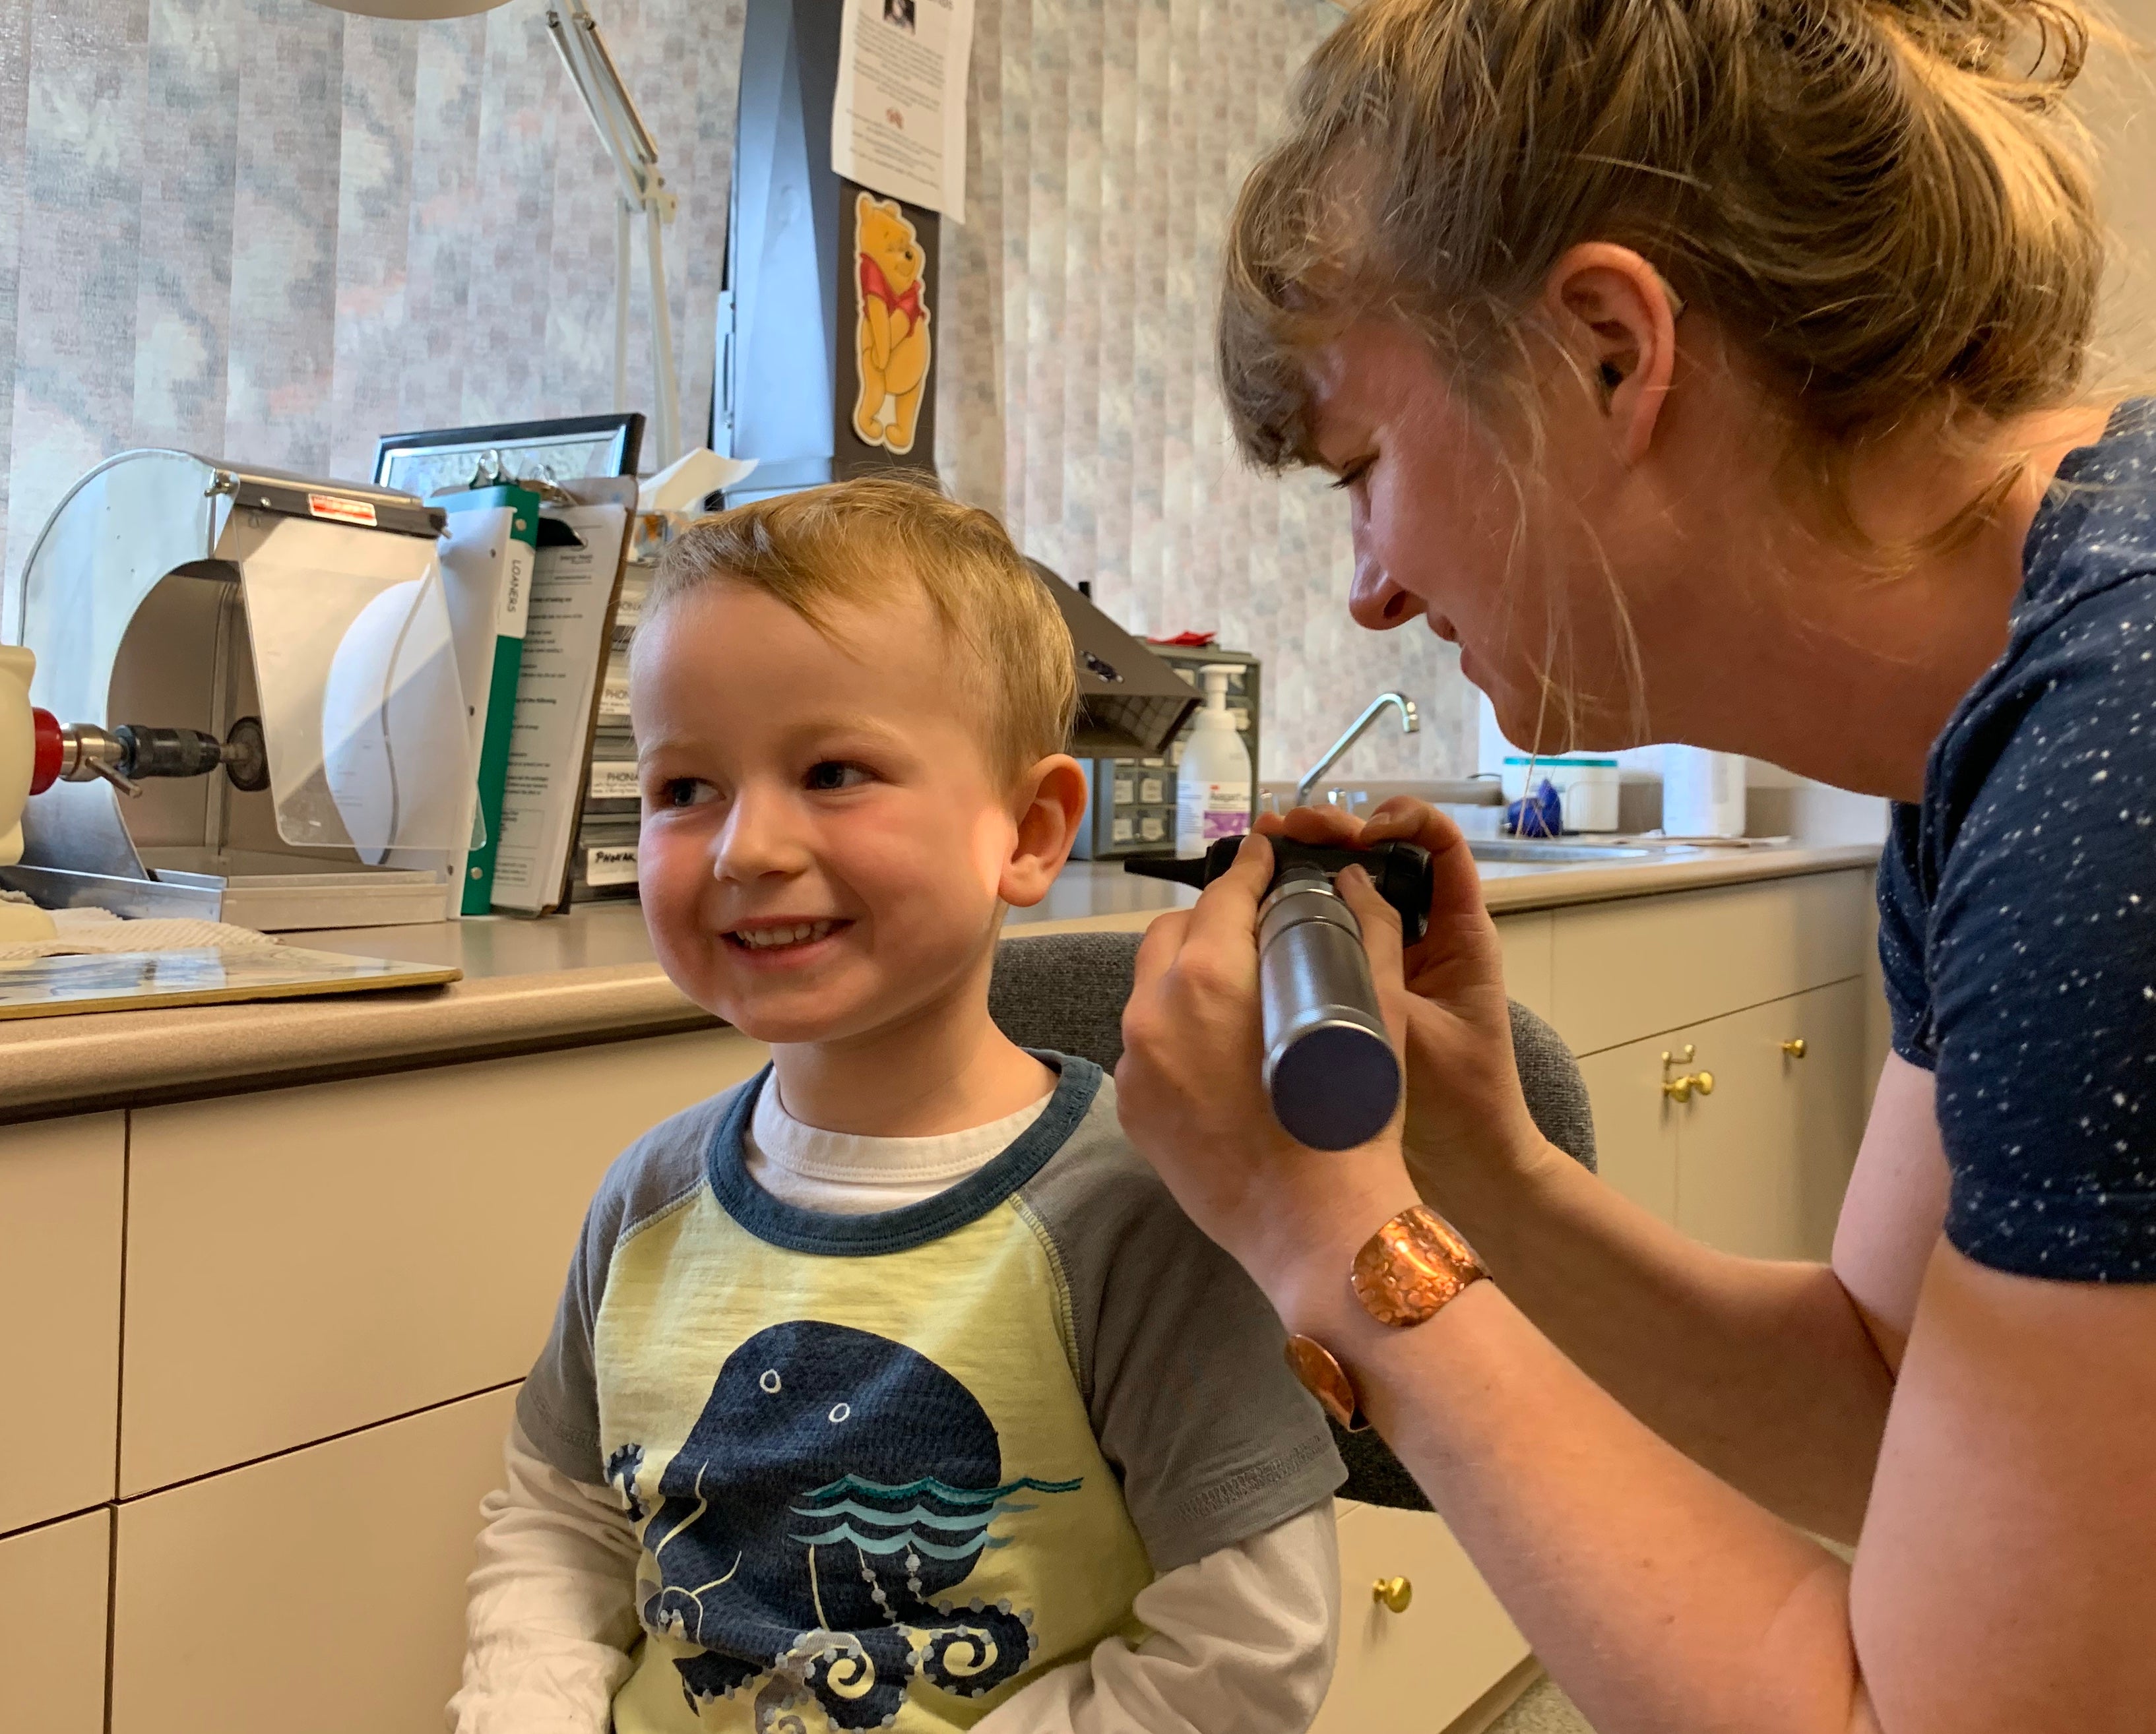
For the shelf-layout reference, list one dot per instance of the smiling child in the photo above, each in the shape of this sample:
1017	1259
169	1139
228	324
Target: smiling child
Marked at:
890	1389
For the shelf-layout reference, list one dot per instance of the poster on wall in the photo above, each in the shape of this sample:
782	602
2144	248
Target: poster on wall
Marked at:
898	123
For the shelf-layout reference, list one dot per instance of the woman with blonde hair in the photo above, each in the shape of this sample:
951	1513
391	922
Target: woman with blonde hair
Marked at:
1711	370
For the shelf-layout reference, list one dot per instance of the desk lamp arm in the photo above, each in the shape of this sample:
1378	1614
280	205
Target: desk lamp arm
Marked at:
644	190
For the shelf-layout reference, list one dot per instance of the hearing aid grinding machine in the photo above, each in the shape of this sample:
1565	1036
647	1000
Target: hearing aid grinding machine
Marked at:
242	695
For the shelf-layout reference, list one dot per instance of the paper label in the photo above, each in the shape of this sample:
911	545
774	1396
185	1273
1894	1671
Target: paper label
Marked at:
615	782
335	507
515	597
1207	812
614	696
1150	792
613	865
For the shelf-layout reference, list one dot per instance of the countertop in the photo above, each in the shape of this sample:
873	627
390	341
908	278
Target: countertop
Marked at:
589	977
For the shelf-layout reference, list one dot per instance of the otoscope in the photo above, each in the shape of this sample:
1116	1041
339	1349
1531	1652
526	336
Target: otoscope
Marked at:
1329	1066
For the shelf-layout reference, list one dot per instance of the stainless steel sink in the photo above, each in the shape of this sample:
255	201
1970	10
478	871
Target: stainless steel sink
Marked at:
1529	851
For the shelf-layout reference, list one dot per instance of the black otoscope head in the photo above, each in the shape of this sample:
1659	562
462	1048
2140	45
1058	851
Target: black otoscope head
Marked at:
1401	871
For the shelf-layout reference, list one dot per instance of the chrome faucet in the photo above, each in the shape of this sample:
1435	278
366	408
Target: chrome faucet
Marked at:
1410	723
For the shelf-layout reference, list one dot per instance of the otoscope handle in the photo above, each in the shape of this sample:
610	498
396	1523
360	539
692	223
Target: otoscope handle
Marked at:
1329	1066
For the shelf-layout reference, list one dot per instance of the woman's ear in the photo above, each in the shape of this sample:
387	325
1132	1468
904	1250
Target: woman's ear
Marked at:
1052	806
1617	318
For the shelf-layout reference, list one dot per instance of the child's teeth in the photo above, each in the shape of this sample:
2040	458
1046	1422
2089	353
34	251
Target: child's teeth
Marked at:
761	939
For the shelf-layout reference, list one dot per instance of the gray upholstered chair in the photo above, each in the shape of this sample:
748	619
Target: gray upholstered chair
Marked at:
1066	992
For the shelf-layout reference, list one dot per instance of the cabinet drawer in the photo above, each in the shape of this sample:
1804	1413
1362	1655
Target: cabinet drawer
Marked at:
1635	1124
1420	1669
1763	1162
62	1188
1624	971
302	1262
53	1598
1527	940
323	1590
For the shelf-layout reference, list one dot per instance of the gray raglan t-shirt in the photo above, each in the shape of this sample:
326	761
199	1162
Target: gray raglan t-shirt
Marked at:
1058	1289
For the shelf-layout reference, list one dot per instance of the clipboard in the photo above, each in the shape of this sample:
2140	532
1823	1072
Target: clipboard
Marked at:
147	981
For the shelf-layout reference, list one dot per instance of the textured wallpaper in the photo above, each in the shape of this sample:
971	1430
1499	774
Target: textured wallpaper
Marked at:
1110	137
263	230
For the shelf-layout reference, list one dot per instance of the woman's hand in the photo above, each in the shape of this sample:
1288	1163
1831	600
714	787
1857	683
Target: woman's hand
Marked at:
1466	1117
1193	1100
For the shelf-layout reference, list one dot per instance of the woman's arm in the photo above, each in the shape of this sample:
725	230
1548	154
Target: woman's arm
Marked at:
1999	1585
1775	1376
1763	1372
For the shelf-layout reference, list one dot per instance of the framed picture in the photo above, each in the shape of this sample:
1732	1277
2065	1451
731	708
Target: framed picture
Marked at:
557	451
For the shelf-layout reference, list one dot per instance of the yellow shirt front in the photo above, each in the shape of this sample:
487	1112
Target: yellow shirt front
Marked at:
865	1454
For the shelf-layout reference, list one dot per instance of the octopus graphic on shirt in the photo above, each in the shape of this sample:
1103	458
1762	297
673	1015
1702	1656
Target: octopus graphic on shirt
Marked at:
889	1470
836	1487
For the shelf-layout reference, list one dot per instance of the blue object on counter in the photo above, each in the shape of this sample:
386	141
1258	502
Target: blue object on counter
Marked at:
1541	814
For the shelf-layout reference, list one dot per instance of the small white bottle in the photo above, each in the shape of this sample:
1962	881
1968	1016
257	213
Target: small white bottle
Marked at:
1212	781
1702	793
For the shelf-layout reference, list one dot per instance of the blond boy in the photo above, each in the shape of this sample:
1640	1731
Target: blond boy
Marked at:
889	1389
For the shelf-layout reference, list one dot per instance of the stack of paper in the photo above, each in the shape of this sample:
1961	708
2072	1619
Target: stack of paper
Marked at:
606	844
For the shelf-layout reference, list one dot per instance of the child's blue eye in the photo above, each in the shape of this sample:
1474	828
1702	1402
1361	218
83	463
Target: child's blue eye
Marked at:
683	791
833	774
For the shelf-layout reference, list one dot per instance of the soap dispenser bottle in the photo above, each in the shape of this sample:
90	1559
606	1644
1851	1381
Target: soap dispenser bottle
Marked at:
1212	781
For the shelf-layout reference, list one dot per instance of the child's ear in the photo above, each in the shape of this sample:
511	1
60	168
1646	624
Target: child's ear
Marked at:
1052	806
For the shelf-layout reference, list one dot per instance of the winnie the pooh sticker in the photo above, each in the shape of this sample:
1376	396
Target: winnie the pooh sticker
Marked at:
892	329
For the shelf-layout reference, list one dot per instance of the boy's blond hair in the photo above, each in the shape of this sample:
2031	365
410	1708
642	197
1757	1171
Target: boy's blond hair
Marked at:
853	543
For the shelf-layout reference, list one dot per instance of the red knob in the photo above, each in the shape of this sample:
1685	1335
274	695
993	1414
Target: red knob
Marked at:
45	751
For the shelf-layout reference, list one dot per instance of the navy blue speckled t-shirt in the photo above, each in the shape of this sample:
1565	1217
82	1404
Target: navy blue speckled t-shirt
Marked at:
2018	904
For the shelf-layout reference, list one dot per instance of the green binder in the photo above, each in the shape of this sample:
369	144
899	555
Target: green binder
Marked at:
493	544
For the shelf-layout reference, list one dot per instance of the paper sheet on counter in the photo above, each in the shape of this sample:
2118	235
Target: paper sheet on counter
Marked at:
898	123
565	645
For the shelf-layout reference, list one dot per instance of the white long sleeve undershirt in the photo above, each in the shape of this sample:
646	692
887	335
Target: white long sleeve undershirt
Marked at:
1241	1640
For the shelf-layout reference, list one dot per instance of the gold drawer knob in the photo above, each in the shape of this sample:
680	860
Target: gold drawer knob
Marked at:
1392	1592
1680	1089
1794	1050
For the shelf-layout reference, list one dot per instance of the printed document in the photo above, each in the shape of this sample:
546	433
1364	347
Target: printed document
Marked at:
898	126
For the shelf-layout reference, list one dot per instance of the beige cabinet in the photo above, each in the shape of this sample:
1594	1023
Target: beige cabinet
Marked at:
1420	1667
321	1590
302	1262
53	1626
1528	942
62	1184
1635	1124
1620	971
1764	1160
1757	1165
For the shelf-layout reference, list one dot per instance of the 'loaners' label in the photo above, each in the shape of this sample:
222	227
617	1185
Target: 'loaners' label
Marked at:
336	506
